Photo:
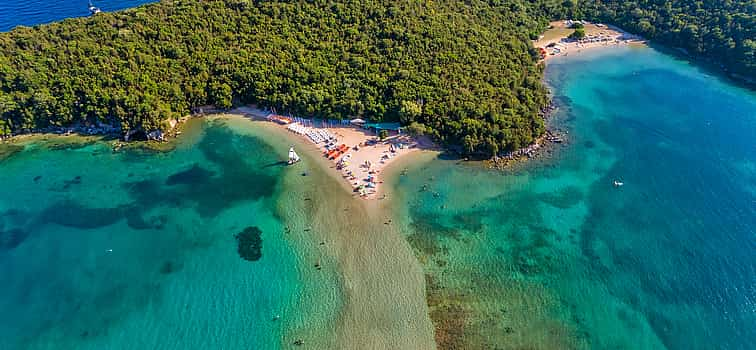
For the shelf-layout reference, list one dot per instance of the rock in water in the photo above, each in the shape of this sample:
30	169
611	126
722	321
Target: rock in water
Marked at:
169	267
156	135
249	243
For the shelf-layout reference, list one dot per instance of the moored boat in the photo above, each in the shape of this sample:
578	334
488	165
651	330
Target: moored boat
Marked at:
93	10
293	156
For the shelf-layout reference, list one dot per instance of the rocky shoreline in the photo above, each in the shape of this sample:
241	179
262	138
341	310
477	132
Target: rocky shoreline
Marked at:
97	130
104	130
542	145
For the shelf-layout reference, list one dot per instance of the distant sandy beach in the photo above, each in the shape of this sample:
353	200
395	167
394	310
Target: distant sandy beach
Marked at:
555	41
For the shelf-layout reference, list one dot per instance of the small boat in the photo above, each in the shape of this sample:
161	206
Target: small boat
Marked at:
293	156
93	10
618	183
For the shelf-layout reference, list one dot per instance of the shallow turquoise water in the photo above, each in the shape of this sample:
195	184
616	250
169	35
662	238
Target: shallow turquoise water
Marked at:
103	250
550	256
666	261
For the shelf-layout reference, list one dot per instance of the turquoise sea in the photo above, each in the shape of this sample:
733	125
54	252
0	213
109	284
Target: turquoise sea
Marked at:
136	249
555	256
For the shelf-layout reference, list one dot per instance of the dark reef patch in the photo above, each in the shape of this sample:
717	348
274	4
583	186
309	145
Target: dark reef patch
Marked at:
210	192
427	235
136	220
168	267
75	181
564	198
249	243
11	213
194	175
12	238
449	317
469	221
71	214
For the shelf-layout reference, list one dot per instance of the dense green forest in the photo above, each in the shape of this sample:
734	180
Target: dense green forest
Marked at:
463	72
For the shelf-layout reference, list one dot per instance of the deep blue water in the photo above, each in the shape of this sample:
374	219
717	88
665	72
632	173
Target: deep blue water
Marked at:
32	12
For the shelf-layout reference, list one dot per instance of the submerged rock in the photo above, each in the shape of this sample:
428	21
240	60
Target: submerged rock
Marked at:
75	181
249	243
72	214
168	267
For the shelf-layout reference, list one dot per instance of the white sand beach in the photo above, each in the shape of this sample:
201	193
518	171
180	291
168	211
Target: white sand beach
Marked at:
555	41
361	155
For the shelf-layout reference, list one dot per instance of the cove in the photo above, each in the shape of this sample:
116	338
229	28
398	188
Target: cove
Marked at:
138	249
214	244
554	256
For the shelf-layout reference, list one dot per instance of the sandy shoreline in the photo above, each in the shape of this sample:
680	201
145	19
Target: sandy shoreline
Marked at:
555	41
383	285
365	157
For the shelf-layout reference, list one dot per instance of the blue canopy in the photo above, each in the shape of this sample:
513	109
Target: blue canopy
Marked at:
384	126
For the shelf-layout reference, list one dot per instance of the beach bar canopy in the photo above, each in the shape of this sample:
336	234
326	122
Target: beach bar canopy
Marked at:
390	127
384	126
358	121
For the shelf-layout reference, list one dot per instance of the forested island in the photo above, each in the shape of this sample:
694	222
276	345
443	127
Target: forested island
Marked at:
462	72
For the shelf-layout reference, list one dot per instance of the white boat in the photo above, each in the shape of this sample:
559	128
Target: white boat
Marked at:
293	156
93	9
618	183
